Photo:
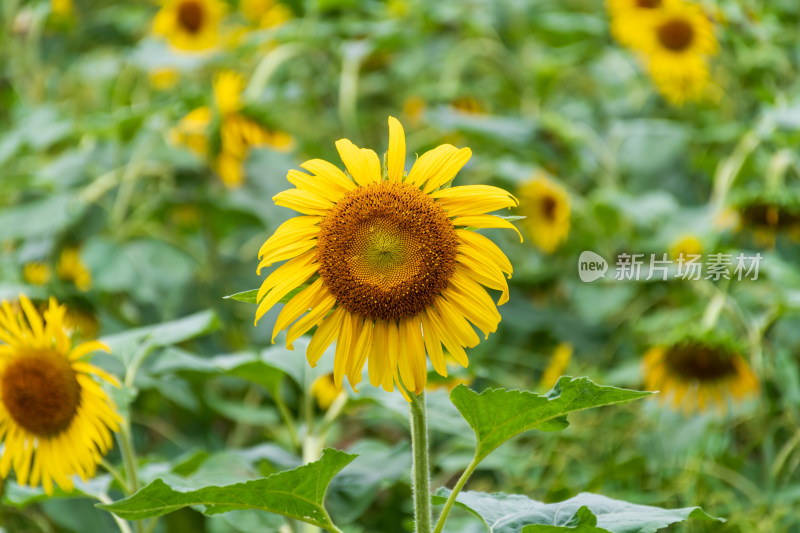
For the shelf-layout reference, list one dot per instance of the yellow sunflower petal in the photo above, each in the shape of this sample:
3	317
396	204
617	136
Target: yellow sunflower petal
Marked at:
485	221
362	164
396	155
304	202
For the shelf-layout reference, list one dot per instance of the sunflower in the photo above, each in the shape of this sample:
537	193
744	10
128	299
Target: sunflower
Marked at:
164	78
237	132
545	205
55	419
62	8
391	270
36	273
627	17
686	245
190	25
677	42
265	13
325	391
71	268
697	373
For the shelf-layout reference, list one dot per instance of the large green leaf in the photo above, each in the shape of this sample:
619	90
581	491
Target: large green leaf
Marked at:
497	415
297	493
165	334
585	513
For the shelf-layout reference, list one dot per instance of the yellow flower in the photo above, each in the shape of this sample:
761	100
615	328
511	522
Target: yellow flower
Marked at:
164	78
80	323
393	271
325	391
627	17
414	109
265	13
545	205
36	273
686	245
55	418
71	268
192	131
677	43
228	86
697	374
61	8
558	363
238	133
190	25
468	104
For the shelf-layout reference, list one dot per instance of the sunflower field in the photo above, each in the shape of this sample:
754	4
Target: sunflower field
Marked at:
378	266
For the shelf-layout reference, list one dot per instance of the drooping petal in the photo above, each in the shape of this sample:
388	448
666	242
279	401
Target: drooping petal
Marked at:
482	249
487	274
319	311
413	370
294	229
324	335
284	279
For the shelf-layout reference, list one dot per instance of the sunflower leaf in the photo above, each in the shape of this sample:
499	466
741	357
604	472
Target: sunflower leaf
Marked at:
297	493
244	296
585	513
496	415
251	296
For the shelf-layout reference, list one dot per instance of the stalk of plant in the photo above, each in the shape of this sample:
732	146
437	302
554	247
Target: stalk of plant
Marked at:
420	466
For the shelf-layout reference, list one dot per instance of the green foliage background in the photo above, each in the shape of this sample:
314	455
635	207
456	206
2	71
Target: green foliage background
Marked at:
85	160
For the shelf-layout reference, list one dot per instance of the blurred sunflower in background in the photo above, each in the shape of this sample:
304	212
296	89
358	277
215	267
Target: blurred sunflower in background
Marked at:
696	374
546	207
55	418
190	25
627	17
768	214
62	8
36	273
677	43
164	78
686	246
265	13
391	276
71	268
238	133
325	391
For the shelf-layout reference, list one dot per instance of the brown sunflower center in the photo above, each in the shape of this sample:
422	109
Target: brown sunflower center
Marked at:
549	205
701	362
386	250
40	392
676	34
648	4
191	15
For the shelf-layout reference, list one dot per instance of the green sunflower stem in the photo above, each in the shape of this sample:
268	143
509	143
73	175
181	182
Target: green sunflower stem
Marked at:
420	469
129	461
